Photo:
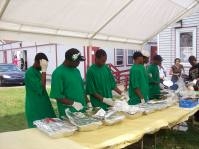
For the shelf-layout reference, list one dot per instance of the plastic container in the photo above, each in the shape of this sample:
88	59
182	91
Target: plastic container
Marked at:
188	103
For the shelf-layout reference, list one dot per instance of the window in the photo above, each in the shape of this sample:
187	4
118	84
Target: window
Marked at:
130	56
185	44
119	57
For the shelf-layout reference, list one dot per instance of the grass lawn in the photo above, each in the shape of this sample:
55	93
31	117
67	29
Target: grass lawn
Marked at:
12	108
12	118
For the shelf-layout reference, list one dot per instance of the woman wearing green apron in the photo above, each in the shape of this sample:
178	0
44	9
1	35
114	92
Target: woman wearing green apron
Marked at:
37	104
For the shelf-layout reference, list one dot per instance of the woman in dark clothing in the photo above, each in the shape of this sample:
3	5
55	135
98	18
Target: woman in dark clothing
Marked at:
176	70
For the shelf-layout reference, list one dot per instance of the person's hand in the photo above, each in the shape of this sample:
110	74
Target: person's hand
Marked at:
124	96
44	65
89	105
162	86
78	106
142	101
108	101
150	75
176	74
194	81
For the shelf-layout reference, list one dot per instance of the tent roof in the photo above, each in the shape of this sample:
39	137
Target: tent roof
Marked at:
122	23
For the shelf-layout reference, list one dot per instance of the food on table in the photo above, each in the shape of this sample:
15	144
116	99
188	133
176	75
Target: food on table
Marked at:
109	117
82	121
55	127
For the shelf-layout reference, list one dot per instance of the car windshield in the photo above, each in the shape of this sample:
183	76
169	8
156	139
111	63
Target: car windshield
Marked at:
9	68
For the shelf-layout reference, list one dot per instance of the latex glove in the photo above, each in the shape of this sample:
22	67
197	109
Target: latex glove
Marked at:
89	105
108	101
142	101
194	81
78	106
177	74
150	75
190	88
161	86
44	65
124	96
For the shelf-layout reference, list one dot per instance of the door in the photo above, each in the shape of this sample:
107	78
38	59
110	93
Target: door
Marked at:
185	44
4	56
153	52
91	55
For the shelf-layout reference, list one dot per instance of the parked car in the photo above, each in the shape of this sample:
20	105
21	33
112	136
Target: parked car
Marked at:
11	74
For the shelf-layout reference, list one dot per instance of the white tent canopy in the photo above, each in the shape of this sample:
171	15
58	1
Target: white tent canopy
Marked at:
121	23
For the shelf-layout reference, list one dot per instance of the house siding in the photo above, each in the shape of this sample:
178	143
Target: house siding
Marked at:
167	41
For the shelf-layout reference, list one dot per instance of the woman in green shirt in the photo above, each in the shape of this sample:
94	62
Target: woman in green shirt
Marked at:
154	77
37	105
100	82
67	85
138	81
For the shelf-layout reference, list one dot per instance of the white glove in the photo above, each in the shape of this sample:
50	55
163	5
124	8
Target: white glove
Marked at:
89	105
124	96
190	88
177	74
195	81
142	101
161	86
78	106
108	101
44	65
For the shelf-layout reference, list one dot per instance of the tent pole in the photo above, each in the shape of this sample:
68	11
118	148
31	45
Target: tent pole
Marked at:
5	5
90	53
111	18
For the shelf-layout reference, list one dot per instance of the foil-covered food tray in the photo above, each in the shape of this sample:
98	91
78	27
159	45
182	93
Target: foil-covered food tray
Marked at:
55	127
82	121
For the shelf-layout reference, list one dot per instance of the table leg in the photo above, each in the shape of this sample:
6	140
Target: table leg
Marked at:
155	140
142	143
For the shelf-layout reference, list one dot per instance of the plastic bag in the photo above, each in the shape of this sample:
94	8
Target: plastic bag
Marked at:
82	121
109	117
130	111
113	119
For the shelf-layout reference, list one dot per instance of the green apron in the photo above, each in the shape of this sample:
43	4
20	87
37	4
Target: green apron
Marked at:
67	83
138	79
37	104
154	81
99	80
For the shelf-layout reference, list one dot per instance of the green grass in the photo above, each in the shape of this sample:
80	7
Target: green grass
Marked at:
12	108
179	140
12	118
171	139
11	100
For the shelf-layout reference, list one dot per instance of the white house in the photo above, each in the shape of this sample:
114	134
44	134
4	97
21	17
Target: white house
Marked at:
180	41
